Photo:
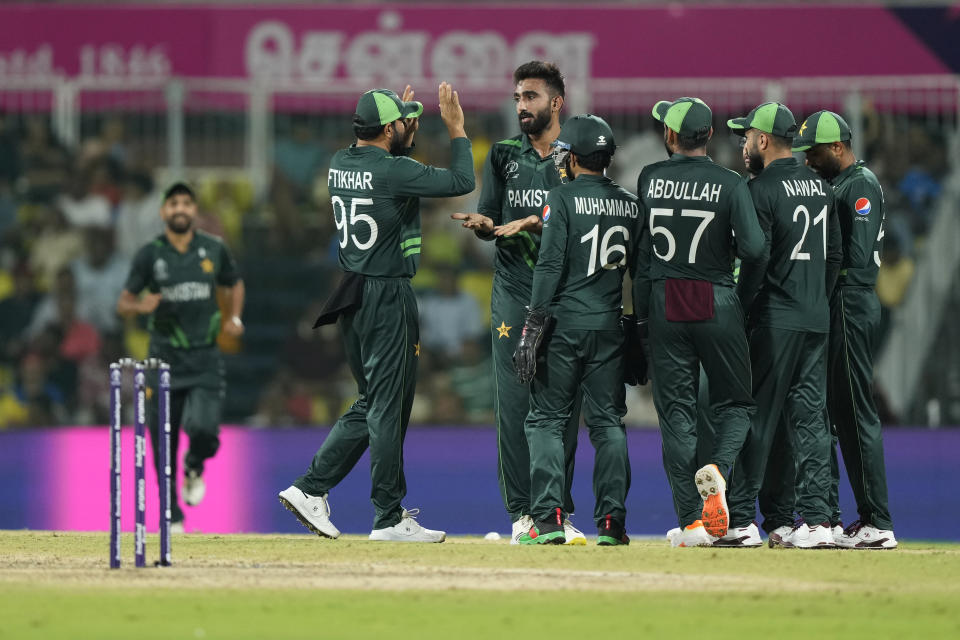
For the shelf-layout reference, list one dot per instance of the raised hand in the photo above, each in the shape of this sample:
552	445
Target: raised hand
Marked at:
450	111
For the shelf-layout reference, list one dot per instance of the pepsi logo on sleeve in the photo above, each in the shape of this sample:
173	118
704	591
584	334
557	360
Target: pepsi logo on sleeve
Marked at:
862	206
546	213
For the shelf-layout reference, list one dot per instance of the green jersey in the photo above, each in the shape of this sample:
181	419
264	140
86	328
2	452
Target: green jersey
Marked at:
515	185
861	210
701	218
591	227
796	211
188	316
376	204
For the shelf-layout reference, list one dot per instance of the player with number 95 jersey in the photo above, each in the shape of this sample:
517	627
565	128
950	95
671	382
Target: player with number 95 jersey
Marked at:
701	218
375	191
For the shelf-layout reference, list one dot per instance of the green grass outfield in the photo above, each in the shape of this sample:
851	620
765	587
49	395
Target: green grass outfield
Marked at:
56	585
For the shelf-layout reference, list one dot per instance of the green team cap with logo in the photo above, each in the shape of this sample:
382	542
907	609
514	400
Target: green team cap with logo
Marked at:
586	134
770	117
820	128
382	106
686	116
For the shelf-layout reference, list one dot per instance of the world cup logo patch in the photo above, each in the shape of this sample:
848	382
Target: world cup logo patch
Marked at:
862	206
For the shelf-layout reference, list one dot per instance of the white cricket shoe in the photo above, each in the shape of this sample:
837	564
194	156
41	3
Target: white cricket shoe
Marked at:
778	535
672	533
864	536
408	530
194	488
741	537
693	535
837	532
177	527
804	536
572	535
713	489
312	511
520	527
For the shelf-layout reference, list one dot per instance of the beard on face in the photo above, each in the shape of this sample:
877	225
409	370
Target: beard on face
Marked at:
536	126
396	146
828	166
179	223
566	166
753	160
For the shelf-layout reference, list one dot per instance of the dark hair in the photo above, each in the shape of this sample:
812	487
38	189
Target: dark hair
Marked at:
177	189
780	142
596	161
546	71
366	132
697	140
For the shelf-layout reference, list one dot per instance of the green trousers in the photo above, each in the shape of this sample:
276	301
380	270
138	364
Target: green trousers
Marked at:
854	323
678	350
197	410
789	388
591	362
511	405
381	340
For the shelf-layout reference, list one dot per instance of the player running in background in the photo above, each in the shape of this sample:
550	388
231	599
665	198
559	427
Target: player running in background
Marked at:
685	288
181	271
854	324
785	300
375	191
517	175
590	231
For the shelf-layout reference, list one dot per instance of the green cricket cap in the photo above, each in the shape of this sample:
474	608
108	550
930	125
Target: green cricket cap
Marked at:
686	116
382	106
586	134
819	128
770	117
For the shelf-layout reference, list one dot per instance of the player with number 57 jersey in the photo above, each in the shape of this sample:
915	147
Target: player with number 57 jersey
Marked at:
701	217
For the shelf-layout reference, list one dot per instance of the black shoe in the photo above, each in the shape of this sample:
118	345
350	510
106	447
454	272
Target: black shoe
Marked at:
610	533
549	531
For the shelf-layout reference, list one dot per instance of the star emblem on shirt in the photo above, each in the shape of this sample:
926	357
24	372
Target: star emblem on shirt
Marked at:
416	349
207	265
504	330
803	128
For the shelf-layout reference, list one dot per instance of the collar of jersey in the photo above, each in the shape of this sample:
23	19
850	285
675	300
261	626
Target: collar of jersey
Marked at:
166	241
593	178
846	173
679	157
784	162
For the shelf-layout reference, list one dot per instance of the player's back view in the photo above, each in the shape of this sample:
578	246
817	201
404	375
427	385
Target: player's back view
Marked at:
786	302
685	288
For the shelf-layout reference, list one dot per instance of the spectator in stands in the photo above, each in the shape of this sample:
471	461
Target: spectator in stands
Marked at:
45	163
99	276
138	220
449	317
54	246
16	311
32	400
9	173
893	279
80	206
298	159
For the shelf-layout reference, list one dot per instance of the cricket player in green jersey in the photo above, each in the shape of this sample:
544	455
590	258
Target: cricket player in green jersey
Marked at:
854	324
591	226
786	303
181	271
684	289
517	175
375	192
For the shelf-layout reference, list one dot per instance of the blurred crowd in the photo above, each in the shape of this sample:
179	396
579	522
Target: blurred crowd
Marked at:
71	219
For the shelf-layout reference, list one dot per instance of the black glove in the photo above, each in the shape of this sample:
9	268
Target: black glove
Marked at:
525	356
636	350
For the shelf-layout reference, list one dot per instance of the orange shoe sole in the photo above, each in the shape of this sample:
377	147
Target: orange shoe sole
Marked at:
713	489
